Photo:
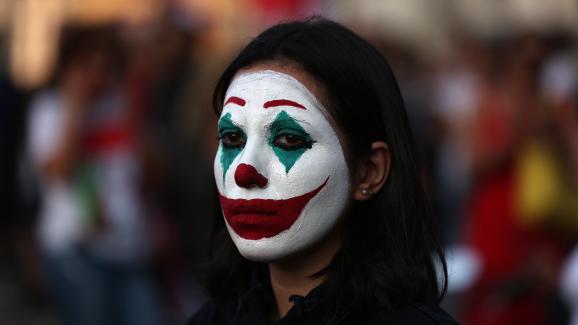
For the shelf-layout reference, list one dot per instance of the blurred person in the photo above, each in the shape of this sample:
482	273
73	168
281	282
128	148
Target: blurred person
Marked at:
320	190
456	92
21	290
167	80
518	282
548	163
456	86
555	162
83	144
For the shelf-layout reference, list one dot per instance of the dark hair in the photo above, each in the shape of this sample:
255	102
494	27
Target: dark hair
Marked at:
391	247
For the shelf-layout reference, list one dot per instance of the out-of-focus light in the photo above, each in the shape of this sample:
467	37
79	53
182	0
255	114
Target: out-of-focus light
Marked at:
545	15
141	12
464	268
33	36
35	25
98	11
3	12
420	25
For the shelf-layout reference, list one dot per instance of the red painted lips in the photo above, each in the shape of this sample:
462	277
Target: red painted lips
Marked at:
263	218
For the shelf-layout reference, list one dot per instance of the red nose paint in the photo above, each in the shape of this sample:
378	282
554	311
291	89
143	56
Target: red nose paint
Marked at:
247	176
264	218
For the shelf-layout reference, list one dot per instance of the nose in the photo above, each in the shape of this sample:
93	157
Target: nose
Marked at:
247	176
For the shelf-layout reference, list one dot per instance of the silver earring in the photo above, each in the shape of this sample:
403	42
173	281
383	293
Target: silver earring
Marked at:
366	192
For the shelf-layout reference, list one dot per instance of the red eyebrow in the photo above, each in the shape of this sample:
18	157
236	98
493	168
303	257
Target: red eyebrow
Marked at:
235	100
282	102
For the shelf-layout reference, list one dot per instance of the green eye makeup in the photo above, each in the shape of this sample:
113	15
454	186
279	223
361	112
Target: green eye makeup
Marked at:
288	140
232	139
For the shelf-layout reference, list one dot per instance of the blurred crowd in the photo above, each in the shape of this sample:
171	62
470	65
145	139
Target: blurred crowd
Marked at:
108	198
497	125
111	199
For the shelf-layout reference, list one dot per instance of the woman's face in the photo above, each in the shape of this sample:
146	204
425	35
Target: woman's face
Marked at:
280	168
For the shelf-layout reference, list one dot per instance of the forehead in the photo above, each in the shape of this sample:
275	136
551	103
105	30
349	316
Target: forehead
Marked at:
265	90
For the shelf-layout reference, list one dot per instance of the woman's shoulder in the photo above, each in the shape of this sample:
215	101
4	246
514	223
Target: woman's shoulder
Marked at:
225	312
417	314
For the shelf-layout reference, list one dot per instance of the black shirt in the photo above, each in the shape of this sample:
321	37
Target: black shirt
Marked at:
254	307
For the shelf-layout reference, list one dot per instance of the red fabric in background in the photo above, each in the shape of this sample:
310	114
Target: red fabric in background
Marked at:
270	12
109	138
514	287
494	232
290	7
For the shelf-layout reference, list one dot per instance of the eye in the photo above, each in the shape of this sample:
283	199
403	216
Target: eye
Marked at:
232	139
289	141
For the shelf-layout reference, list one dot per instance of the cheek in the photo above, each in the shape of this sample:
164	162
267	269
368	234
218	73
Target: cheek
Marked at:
226	156
217	168
318	163
226	160
288	158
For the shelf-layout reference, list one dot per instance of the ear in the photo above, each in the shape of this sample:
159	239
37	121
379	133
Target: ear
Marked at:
372	172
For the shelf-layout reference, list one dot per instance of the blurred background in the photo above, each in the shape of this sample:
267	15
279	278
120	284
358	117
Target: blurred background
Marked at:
107	140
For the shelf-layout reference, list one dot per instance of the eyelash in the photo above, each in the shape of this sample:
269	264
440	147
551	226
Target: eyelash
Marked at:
240	143
302	141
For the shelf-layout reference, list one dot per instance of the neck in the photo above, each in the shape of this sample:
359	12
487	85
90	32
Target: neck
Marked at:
294	275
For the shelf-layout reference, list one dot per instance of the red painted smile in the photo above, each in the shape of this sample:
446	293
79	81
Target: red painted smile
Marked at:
263	218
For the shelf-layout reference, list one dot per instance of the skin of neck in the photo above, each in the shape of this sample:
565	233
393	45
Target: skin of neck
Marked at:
294	274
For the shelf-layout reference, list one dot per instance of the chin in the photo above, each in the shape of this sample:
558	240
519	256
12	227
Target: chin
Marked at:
285	245
266	250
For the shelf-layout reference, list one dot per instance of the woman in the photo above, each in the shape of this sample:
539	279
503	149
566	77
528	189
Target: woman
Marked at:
319	188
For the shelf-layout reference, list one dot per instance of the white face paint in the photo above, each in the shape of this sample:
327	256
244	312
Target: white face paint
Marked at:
280	168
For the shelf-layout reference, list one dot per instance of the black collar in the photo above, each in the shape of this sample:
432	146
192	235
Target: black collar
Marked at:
257	303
